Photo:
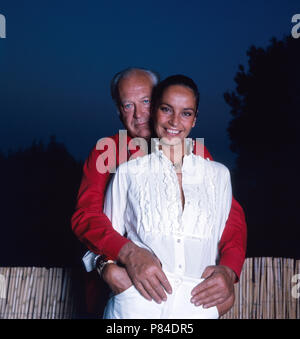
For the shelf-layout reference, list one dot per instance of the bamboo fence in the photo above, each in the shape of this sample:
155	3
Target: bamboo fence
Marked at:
36	293
269	288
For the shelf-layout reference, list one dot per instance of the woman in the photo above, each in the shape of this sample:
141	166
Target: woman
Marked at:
173	203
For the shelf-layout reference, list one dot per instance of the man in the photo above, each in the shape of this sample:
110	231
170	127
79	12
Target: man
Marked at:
131	91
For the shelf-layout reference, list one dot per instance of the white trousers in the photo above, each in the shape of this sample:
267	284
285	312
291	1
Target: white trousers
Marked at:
130	304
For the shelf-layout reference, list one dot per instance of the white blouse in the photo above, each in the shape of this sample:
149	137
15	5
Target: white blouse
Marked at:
143	201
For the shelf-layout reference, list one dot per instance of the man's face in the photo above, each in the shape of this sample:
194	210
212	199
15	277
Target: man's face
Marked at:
135	94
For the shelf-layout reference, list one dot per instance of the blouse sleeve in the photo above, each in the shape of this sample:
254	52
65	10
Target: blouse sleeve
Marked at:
227	199
116	199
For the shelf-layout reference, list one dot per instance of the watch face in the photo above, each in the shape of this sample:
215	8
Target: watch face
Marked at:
101	263
101	259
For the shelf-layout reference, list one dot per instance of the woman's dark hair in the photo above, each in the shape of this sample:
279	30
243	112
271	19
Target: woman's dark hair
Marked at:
173	80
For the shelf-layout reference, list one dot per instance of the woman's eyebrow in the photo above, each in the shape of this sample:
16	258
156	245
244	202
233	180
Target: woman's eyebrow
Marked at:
185	108
163	103
189	108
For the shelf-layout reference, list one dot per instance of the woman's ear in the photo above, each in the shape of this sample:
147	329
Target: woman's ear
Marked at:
194	122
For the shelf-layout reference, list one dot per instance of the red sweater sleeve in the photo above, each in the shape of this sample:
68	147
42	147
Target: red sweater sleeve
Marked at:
233	243
89	223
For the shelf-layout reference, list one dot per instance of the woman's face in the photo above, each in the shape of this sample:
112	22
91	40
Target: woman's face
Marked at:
175	115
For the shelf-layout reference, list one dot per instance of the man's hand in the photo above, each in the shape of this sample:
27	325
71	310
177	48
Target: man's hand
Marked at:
144	270
216	289
116	278
226	306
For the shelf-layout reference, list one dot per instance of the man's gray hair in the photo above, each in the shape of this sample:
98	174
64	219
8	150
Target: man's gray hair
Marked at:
114	85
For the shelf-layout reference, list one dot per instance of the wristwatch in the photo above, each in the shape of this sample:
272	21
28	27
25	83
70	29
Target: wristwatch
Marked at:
100	262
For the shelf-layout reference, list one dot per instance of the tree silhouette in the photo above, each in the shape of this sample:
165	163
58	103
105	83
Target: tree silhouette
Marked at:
265	133
38	194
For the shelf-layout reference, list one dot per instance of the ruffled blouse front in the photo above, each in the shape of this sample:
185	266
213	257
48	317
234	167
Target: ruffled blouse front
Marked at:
143	201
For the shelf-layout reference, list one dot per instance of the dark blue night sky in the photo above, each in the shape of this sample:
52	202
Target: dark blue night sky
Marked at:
59	56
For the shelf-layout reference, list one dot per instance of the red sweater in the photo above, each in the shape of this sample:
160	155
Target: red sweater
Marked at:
95	230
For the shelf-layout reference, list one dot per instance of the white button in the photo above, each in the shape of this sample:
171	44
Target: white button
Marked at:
178	240
180	266
177	281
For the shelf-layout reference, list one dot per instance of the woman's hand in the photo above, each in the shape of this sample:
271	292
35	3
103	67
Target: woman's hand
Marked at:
116	278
